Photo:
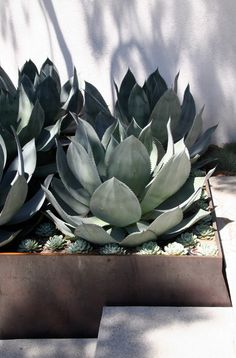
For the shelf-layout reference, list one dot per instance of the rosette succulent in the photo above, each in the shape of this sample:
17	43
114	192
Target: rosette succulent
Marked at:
36	109
149	248
18	204
29	245
55	243
110	192
187	239
206	249
45	229
176	249
204	231
149	107
79	246
112	249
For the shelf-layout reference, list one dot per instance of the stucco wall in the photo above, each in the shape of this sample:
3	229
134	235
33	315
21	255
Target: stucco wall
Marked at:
102	38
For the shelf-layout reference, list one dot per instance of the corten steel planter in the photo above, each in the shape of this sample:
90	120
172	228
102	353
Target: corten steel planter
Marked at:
56	295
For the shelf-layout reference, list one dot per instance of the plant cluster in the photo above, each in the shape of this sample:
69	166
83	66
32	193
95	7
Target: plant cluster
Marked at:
122	180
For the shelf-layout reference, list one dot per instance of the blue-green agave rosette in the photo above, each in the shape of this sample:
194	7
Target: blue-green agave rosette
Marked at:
111	192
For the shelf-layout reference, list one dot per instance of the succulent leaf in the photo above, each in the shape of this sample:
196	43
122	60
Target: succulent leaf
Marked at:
167	107
82	167
167	181
115	203
195	130
155	87
138	105
132	154
94	234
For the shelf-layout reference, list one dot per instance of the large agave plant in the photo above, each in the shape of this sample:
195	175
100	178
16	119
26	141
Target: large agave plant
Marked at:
16	205
150	105
122	193
37	107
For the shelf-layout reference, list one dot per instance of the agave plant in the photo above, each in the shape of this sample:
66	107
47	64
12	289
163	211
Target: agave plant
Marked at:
16	205
121	193
149	107
37	107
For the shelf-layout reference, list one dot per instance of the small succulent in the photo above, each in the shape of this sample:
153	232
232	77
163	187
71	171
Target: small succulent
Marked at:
187	239
55	243
206	221
202	204
149	248
112	249
80	246
29	245
204	231
206	249
175	249
46	229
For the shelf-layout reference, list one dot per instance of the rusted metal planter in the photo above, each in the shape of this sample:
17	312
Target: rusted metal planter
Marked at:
63	295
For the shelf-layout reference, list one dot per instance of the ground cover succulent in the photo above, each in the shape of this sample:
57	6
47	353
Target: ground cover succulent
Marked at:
55	243
29	245
204	231
112	249
149	248
148	108
187	239
123	193
206	249
175	248
45	229
79	246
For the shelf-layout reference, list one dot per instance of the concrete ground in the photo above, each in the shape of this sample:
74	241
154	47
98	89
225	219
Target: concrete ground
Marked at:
158	332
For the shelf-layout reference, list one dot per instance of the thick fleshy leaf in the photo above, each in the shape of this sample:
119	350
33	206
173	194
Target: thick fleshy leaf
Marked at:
25	109
134	129
85	130
186	191
3	156
7	236
74	220
49	70
28	87
102	122
6	82
30	70
49	98
126	86
155	87
130	163
160	225
138	105
195	130
47	137
68	199
32	206
170	178
203	142
94	102
188	113
110	148
60	224
68	179
170	151
83	167
108	133
138	238
176	83
167	107
94	234
186	224
29	158
115	203
14	200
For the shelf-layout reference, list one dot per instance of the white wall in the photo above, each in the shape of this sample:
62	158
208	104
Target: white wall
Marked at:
102	38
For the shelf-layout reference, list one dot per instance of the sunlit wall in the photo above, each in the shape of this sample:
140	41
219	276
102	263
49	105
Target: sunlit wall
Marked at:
102	38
